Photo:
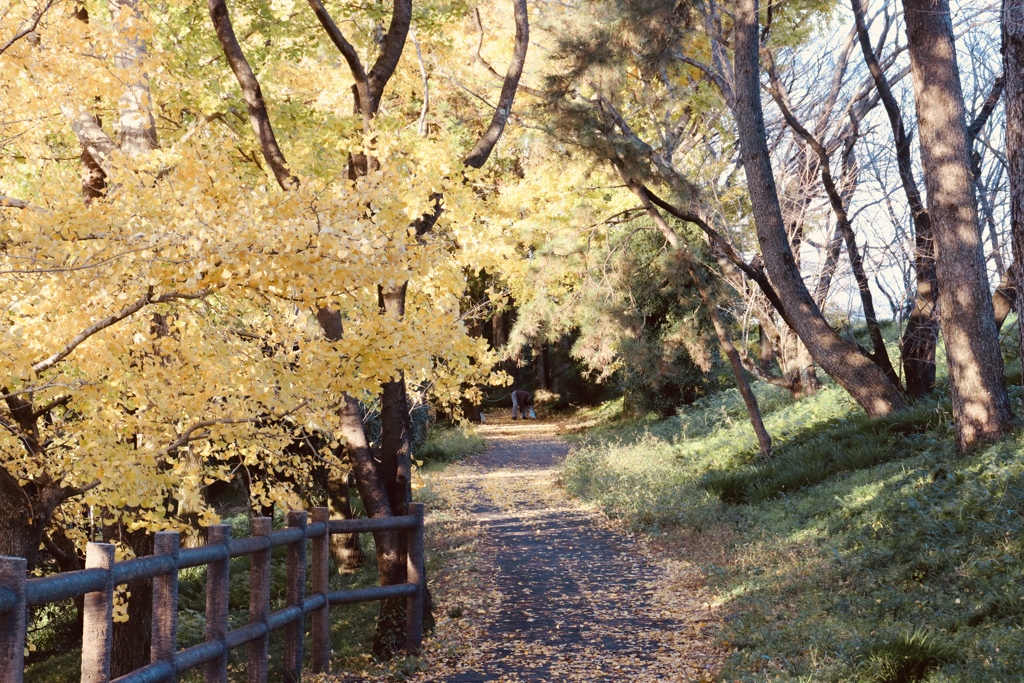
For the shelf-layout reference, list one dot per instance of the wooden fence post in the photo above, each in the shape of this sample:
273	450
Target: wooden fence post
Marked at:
14	621
320	566
165	603
415	574
295	594
98	617
259	603
218	587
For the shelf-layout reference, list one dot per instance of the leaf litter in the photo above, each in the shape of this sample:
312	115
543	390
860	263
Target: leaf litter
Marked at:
534	586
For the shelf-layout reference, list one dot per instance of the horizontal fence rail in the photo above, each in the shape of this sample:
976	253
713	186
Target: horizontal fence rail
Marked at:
98	581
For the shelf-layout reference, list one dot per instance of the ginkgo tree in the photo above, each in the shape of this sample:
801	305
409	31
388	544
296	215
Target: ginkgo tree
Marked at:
170	317
384	481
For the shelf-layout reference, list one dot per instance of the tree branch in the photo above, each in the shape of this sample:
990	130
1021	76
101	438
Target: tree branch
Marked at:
879	355
390	53
754	271
252	94
59	401
91	136
12	203
485	145
487	65
347	51
759	373
33	24
892	109
189	435
199	124
422	125
100	325
987	108
483	148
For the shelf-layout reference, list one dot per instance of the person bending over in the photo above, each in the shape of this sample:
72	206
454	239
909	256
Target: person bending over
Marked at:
522	402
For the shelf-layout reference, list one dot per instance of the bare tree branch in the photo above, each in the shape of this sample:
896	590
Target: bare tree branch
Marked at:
422	126
987	108
200	123
880	354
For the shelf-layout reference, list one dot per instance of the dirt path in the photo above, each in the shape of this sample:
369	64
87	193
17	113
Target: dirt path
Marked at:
555	594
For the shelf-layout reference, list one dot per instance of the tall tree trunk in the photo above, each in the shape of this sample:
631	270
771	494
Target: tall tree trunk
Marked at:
396	473
376	483
981	406
830	264
65	554
766	352
1013	68
137	125
345	548
131	639
25	519
396	424
864	380
27	508
540	359
374	494
920	338
548	381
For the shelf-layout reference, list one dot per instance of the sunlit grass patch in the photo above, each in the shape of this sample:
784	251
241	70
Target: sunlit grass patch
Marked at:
856	535
448	444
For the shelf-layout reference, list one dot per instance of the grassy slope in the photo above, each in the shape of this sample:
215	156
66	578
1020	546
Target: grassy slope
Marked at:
868	551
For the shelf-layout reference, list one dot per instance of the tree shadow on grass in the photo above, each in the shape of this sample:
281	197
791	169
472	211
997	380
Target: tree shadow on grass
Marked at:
902	571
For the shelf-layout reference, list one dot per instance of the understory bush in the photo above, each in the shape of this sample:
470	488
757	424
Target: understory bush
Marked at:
866	550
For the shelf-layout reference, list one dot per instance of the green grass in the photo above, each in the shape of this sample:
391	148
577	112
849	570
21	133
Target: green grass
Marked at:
867	550
448	444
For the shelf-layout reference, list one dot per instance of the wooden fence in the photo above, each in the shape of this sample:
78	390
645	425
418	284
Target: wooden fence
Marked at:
102	575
